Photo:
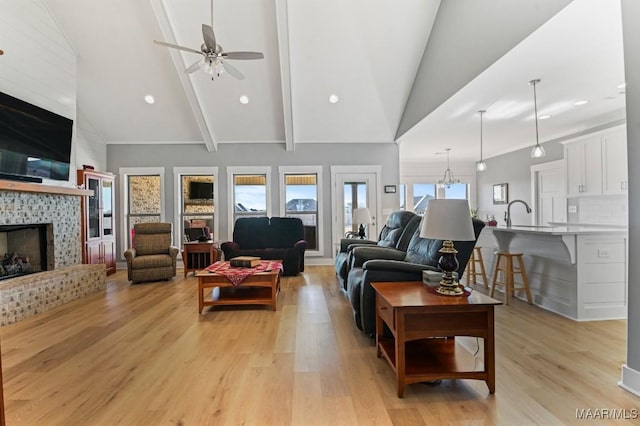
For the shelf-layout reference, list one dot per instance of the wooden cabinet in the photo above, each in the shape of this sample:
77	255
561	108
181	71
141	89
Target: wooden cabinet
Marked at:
584	167
614	160
98	227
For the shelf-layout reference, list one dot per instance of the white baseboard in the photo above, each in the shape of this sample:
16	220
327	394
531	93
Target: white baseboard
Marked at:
630	380
318	261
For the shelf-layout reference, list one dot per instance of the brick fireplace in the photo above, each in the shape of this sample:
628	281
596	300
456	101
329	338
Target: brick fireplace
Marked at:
65	278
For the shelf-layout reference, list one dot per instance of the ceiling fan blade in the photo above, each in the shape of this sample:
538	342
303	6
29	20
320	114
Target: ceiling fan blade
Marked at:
175	46
194	67
209	37
242	55
233	71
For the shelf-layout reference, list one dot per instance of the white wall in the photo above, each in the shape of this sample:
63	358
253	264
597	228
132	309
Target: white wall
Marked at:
39	67
631	36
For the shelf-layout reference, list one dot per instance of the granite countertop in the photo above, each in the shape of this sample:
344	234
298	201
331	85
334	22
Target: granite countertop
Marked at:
560	230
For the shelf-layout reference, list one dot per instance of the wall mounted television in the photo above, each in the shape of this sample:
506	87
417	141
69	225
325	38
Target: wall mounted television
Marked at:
34	143
200	190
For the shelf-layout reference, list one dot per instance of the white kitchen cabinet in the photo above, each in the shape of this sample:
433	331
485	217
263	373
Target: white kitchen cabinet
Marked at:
584	167
614	161
596	164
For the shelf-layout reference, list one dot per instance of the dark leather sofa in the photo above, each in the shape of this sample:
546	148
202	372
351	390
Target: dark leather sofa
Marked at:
372	264
269	238
390	236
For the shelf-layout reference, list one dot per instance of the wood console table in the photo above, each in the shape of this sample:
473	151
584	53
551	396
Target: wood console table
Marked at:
198	255
422	323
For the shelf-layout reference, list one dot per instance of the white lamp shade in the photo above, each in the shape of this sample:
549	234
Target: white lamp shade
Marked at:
447	220
361	216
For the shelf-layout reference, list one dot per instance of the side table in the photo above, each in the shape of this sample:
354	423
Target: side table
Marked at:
198	255
421	322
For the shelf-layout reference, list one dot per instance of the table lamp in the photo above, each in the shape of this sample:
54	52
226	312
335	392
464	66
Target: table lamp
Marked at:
363	217
448	220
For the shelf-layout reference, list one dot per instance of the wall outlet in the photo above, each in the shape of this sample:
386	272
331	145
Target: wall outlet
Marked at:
603	253
572	209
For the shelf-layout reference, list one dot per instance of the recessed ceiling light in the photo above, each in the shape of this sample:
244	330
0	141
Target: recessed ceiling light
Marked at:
621	85
149	99
544	117
578	103
334	99
244	99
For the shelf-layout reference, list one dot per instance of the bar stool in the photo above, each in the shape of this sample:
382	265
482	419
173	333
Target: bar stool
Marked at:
472	272
508	270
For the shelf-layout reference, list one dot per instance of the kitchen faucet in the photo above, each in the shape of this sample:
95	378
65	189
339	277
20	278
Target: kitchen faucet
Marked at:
507	214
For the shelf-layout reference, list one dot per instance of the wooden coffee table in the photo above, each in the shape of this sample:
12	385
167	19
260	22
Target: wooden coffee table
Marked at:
258	289
423	324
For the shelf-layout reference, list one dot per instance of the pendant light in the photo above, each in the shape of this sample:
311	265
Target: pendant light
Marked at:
538	150
481	166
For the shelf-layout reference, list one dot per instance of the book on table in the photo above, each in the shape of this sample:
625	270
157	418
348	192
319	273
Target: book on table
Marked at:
245	261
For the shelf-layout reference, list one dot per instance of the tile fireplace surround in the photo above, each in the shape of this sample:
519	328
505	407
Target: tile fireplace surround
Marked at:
22	203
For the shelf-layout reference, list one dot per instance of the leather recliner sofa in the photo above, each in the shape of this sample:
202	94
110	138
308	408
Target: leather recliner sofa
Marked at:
390	236
372	264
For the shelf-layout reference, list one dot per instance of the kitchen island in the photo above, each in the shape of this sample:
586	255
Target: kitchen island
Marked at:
576	271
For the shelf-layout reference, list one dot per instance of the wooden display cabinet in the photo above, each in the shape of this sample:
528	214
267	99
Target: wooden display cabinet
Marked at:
98	227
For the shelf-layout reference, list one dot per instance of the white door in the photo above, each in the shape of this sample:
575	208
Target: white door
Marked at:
353	190
549	192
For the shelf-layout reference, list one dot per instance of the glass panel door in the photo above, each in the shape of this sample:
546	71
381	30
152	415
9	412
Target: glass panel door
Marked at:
93	206
107	208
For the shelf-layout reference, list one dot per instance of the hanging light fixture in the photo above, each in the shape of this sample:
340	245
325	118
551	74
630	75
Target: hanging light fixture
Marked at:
448	179
538	150
481	166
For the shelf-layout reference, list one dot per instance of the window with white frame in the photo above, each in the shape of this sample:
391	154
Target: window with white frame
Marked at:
300	195
249	188
196	189
423	192
142	190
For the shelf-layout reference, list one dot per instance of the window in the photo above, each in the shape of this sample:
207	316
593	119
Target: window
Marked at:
142	190
402	192
197	192
423	192
355	197
250	192
300	192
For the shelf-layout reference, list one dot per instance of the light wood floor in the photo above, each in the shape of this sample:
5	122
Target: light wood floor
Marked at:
142	355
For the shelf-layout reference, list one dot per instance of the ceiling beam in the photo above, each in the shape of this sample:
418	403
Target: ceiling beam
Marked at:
206	128
282	19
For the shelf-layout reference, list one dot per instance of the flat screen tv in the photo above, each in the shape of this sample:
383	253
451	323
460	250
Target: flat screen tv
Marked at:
200	190
34	143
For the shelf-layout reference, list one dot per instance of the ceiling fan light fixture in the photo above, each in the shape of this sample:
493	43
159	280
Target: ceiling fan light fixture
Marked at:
149	99
538	150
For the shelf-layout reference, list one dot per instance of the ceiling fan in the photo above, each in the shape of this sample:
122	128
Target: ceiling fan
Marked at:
213	55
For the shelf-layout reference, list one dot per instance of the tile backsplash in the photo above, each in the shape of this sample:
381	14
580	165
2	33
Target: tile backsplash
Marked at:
601	210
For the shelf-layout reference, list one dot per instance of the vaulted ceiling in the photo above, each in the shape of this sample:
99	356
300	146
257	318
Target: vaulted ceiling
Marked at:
377	56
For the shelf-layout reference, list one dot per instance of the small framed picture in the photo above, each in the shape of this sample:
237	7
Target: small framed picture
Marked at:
389	189
501	193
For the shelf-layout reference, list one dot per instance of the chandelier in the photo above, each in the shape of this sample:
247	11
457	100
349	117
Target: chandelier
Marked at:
448	179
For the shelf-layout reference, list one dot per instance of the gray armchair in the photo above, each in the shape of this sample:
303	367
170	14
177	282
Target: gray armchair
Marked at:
152	257
390	236
372	264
